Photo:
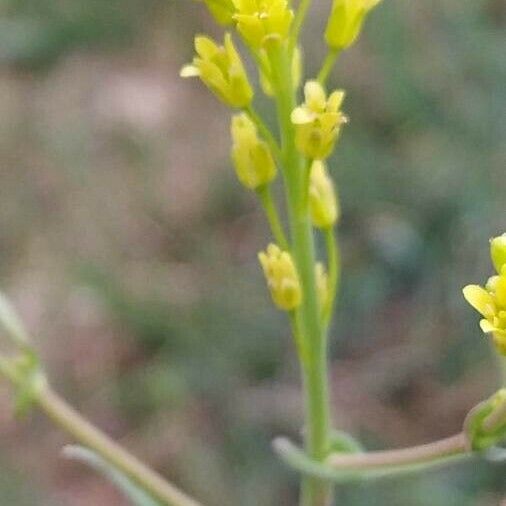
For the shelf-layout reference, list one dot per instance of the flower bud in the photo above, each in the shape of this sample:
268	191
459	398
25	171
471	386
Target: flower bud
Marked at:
498	252
252	157
261	20
282	278
323	204
318	121
345	22
220	68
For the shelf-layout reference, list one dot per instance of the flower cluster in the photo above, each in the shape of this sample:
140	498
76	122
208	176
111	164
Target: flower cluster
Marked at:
268	30
490	301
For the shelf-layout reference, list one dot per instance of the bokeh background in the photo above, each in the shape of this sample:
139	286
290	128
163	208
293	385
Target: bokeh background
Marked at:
130	249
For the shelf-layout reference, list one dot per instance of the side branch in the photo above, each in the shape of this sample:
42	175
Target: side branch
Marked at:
415	455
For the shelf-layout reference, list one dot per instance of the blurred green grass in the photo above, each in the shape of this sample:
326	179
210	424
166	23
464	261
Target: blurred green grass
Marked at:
130	249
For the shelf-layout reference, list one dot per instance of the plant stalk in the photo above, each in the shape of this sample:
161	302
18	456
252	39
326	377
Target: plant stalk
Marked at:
315	492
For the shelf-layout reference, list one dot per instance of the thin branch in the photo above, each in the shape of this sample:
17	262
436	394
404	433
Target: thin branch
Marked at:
328	65
265	195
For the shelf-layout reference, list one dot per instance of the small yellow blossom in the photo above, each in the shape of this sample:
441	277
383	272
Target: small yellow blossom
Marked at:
261	20
490	301
220	68
322	285
323	204
282	278
345	22
266	71
222	10
252	157
318	121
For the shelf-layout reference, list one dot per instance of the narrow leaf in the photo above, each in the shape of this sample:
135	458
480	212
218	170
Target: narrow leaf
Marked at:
130	490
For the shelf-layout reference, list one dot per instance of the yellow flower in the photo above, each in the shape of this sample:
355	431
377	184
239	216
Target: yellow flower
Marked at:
222	10
318	121
490	301
322	285
266	71
220	68
282	278
345	21
260	20
252	157
323	204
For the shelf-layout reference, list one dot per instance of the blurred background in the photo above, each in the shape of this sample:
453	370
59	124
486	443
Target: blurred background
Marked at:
130	249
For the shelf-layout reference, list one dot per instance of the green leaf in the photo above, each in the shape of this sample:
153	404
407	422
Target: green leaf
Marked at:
130	490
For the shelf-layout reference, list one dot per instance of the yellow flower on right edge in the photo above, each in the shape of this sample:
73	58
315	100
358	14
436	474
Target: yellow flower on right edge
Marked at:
490	301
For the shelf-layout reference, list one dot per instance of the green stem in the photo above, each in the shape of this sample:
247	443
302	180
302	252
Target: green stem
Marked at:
334	269
315	492
264	132
300	16
328	65
265	195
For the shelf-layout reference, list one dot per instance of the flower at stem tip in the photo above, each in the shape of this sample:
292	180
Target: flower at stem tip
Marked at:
323	203
220	68
318	121
251	155
282	277
261	20
345	22
490	301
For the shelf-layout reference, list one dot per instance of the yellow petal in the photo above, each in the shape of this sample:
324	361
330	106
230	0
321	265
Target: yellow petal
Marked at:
315	96
335	101
487	327
480	299
189	71
301	116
